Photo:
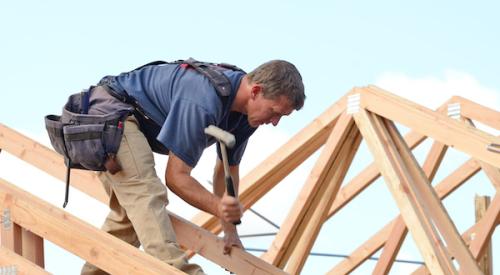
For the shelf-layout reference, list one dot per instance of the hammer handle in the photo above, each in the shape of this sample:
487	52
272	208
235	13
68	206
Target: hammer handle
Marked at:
230	191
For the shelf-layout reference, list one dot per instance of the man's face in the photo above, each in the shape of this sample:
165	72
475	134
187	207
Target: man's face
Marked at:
264	111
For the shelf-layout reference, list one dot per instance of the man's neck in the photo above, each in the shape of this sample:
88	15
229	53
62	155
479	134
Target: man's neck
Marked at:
242	96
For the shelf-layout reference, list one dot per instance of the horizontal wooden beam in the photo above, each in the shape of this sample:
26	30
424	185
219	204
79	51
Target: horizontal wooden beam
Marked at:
21	265
95	246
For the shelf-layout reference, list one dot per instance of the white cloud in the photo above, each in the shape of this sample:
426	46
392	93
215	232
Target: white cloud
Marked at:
432	91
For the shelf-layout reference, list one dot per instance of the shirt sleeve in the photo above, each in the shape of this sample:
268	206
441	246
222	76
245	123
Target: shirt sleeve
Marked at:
183	131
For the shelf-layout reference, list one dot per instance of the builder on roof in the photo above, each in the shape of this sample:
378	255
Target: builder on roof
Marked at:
173	103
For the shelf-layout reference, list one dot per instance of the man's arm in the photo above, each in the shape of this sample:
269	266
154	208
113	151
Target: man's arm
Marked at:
178	179
231	237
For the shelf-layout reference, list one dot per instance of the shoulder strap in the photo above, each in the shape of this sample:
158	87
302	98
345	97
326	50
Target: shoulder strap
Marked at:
213	71
218	79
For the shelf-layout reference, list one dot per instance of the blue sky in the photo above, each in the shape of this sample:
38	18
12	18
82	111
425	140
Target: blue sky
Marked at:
50	49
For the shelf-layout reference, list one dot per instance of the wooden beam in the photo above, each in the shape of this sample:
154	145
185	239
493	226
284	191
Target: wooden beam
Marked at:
49	161
371	172
208	245
478	112
366	177
317	213
277	166
11	236
449	131
33	248
95	246
431	204
471	234
485	228
399	180
367	249
22	266
398	234
493	173
285	240
38	155
485	261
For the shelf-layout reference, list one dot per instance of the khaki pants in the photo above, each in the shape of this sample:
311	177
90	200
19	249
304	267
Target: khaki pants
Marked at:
137	203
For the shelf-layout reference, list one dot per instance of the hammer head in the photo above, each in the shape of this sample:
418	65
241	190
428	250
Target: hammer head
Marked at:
221	135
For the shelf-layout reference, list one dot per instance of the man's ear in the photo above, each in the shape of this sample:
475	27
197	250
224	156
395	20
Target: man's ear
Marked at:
255	90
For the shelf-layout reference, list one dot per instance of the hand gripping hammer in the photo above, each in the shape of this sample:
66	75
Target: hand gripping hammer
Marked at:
225	139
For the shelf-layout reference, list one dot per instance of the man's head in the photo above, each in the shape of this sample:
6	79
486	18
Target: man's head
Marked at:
276	90
280	78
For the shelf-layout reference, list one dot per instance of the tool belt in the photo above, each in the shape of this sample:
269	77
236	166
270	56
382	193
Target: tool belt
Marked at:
88	142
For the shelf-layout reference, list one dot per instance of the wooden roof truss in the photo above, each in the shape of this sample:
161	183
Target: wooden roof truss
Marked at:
368	114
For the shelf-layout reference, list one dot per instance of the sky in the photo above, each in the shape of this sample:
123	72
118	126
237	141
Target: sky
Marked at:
425	51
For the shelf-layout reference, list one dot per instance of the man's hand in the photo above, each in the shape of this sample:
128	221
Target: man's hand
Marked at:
230	209
231	240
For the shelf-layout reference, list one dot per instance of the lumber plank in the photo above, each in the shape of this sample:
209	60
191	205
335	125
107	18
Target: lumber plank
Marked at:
398	180
485	261
478	112
22	266
399	231
279	250
49	161
87	183
11	237
471	234
317	213
32	248
366	177
367	249
76	236
485	228
364	251
430	201
239	261
491	172
449	131
371	172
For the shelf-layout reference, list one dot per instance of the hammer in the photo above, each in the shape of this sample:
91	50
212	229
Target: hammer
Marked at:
225	139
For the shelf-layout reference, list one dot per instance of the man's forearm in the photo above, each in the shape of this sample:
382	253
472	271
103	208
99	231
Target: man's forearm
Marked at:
191	191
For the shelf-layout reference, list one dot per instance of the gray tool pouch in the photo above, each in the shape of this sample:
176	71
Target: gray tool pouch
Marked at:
86	141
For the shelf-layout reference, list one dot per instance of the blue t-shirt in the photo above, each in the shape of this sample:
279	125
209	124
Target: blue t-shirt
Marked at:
184	103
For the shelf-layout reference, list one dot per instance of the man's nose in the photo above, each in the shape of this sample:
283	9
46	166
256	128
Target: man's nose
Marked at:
275	120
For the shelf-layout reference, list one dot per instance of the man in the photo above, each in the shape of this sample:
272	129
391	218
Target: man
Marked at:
175	104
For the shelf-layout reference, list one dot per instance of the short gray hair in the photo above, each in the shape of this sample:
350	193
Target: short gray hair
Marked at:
280	78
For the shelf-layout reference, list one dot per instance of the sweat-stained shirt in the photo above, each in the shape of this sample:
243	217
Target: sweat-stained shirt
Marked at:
184	102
